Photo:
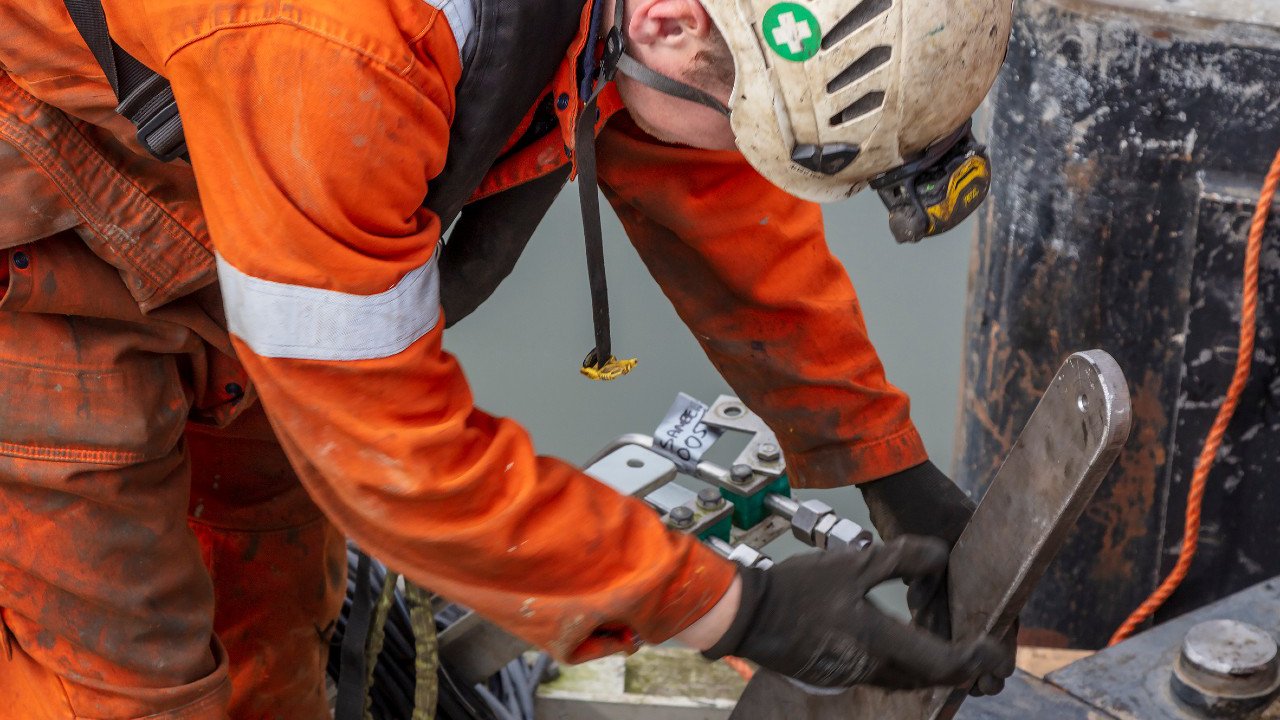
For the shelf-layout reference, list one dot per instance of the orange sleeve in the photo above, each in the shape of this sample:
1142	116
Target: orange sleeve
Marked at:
312	152
748	270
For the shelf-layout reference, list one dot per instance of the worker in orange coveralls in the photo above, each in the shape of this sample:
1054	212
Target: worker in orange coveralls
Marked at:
220	333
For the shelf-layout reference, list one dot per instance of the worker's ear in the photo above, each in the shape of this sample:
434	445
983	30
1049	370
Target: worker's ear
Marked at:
665	25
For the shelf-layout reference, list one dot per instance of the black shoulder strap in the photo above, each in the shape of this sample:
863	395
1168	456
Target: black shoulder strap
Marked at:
145	98
353	673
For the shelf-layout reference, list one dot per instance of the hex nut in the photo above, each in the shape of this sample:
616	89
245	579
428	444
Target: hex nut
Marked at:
805	522
741	474
750	557
768	452
848	535
709	498
823	530
680	516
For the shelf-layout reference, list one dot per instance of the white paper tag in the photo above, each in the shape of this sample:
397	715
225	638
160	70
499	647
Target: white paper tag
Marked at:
682	436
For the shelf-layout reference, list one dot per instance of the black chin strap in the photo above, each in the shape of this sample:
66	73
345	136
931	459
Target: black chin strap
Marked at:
600	364
632	68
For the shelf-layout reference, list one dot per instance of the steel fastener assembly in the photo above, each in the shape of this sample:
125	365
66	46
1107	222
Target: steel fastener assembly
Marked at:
809	516
680	516
709	498
848	535
768	452
1227	668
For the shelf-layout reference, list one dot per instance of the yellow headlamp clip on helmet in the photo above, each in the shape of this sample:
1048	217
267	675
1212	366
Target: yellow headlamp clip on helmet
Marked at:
937	191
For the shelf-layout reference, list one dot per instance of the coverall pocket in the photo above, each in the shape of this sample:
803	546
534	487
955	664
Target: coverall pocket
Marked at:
61	275
137	214
77	390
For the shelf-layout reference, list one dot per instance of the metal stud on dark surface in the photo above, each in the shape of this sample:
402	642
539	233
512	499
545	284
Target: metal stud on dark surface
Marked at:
1227	668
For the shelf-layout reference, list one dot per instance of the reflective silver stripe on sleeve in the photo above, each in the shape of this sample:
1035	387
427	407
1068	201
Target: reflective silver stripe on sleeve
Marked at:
461	15
278	320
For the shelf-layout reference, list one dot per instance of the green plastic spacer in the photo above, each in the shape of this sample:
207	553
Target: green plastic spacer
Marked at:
720	530
749	511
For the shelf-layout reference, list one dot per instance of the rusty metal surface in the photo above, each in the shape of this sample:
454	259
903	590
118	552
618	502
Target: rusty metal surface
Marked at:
1108	130
1209	13
1239	545
1055	465
1131	681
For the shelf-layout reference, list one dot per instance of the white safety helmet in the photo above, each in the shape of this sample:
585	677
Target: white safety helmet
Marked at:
833	95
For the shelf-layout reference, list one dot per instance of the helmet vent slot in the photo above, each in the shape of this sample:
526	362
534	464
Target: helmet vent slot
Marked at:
863	66
865	12
863	105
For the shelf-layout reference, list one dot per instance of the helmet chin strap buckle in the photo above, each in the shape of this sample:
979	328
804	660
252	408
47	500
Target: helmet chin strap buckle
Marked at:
937	191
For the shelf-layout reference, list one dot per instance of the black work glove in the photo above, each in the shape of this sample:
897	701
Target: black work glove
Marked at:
922	500
809	618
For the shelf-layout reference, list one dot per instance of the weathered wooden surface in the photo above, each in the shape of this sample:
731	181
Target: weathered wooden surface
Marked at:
1038	661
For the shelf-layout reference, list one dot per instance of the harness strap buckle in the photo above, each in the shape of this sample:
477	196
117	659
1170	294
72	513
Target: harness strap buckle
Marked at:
152	108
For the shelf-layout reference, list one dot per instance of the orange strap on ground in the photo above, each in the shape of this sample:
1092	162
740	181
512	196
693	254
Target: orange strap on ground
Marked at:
1244	359
740	666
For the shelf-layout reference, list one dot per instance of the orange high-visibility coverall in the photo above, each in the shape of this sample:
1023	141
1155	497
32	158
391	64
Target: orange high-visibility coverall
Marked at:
160	555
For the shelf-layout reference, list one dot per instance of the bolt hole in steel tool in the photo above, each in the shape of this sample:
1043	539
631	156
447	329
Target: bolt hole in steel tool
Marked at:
1067	446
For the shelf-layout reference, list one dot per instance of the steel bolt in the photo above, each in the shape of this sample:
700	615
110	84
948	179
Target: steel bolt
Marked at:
709	498
823	530
750	557
1227	669
741	474
768	452
808	518
848	535
681	516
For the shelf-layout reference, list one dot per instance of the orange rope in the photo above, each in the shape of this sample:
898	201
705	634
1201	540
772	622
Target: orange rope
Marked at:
740	666
1244	358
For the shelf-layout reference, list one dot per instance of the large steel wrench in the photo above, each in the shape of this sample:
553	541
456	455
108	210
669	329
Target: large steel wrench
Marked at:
1053	469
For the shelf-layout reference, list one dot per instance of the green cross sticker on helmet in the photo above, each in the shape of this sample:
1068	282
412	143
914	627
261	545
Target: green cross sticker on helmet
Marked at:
792	31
